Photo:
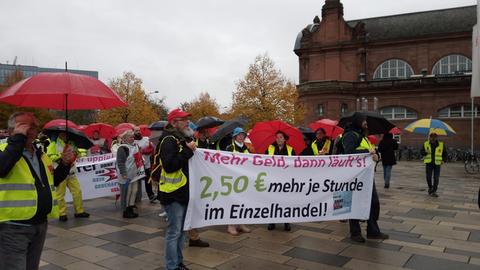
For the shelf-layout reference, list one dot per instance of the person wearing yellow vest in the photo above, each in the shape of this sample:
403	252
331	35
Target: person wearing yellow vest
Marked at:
238	146
54	152
27	196
435	155
354	141
281	148
193	235
175	151
322	145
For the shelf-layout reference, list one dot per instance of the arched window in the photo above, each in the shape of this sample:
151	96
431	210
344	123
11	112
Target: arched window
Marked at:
397	113
393	69
459	111
451	64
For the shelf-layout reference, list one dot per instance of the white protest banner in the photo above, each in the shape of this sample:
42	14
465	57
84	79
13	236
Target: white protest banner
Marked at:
234	188
97	176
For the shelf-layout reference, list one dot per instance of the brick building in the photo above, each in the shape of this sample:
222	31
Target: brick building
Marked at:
406	66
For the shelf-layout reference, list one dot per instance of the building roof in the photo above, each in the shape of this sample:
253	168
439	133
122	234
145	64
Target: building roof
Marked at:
413	25
419	24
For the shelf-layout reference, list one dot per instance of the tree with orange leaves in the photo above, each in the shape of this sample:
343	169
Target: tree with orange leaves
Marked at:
265	94
203	105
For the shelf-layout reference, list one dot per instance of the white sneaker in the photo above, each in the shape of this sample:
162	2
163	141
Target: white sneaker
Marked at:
162	214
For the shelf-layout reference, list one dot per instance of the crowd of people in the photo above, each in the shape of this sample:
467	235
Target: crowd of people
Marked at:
36	172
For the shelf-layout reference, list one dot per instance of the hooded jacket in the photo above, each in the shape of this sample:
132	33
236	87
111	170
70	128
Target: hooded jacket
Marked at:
352	137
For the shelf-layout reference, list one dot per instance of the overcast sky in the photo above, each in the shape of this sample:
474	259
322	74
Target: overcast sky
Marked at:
179	48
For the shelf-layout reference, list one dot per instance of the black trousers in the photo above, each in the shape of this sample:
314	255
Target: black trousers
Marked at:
372	225
435	169
21	246
148	186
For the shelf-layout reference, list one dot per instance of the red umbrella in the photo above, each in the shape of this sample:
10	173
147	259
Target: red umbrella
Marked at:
330	127
395	131
120	128
62	91
82	128
373	139
60	123
106	131
263	134
146	132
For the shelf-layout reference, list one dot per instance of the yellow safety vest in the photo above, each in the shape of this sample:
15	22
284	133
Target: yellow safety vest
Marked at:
365	145
271	150
18	194
169	182
438	153
234	149
325	148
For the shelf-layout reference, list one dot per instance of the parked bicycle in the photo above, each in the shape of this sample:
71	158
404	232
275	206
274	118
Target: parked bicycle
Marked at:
472	164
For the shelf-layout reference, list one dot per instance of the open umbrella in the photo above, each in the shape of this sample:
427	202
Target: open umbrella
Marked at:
426	126
395	131
159	125
331	127
120	128
372	139
146	132
105	130
263	134
78	137
227	128
307	132
82	128
60	123
62	91
377	124
208	122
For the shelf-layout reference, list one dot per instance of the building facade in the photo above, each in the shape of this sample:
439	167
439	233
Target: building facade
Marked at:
7	70
407	67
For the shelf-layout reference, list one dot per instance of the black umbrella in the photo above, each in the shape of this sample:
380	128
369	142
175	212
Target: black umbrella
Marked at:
307	132
227	128
77	137
159	125
208	122
377	124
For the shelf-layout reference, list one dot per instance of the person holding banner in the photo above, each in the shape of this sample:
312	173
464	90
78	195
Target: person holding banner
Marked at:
27	193
322	145
129	170
238	145
280	147
147	149
54	152
175	152
355	141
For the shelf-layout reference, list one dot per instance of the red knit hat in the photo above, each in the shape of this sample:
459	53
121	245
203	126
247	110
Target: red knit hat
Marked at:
176	113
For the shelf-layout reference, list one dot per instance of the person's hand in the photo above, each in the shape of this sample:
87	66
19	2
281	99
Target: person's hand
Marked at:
192	145
68	155
375	157
21	128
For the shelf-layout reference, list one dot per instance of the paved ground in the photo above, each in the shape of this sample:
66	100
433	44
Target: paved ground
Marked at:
425	233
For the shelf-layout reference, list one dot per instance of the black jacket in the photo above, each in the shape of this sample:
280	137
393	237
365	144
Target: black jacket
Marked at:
387	147
173	160
11	155
352	137
233	146
279	152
